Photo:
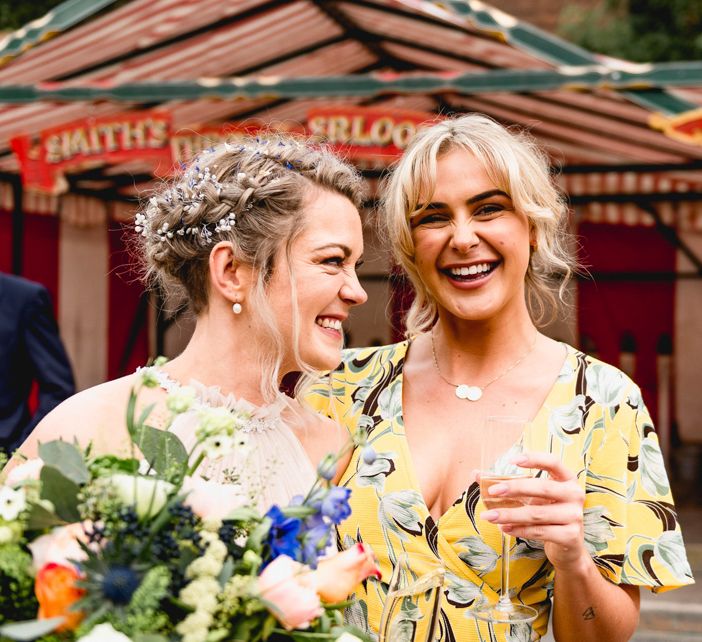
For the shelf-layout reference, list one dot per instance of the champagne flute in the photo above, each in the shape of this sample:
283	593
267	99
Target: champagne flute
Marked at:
504	438
412	603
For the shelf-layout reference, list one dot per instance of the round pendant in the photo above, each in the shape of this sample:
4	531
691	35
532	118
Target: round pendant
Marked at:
471	393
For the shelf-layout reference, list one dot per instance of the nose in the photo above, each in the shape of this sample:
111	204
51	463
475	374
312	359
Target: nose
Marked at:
464	236
352	291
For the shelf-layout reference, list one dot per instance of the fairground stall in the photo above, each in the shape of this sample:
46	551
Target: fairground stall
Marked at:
99	99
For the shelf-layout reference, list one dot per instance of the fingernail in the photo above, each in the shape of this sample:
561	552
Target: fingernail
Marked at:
361	548
490	515
498	489
377	574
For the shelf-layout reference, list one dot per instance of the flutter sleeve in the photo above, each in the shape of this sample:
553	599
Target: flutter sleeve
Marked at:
631	527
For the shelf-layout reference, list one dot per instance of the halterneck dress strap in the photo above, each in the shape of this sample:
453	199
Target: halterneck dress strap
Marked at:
276	467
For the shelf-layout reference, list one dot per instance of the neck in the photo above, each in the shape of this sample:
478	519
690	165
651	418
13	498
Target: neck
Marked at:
222	352
477	350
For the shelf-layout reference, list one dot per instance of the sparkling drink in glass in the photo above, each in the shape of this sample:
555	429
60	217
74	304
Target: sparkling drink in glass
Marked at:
504	438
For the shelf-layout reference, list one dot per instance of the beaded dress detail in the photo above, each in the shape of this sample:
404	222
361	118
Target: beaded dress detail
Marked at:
276	467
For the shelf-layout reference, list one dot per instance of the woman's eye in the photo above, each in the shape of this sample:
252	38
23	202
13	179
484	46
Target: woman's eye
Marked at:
434	218
485	211
334	260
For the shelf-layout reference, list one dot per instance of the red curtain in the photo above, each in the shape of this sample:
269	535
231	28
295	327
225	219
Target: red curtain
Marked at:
642	306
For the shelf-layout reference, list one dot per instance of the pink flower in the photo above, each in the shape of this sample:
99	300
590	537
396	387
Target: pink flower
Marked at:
282	588
29	470
210	500
338	576
60	546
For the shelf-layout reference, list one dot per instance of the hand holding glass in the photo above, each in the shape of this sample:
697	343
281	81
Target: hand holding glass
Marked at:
504	438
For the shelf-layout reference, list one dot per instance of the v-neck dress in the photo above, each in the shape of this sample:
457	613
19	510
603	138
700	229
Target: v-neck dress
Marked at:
593	418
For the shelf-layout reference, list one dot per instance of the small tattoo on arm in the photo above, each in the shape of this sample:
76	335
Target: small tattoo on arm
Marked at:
589	613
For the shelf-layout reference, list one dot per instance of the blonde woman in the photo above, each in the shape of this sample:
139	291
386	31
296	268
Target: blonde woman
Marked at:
476	222
262	238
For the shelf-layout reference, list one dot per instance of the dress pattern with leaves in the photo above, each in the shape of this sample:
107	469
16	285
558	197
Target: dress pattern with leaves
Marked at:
593	418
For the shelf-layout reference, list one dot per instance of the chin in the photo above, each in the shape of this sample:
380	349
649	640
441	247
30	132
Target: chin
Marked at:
323	360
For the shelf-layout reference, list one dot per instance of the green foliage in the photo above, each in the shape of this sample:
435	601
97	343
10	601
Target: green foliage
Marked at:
17	583
14	15
638	30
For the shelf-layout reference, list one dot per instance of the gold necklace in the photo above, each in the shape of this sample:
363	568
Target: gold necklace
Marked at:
475	393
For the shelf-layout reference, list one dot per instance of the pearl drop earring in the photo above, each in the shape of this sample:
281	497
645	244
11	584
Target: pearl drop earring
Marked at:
236	308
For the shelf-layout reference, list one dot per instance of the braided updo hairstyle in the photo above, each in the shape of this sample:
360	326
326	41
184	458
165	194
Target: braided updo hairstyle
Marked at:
251	193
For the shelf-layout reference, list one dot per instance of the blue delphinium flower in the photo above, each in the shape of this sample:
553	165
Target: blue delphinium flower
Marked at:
282	537
335	504
315	539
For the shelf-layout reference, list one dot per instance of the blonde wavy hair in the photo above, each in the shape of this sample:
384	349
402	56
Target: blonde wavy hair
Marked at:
516	165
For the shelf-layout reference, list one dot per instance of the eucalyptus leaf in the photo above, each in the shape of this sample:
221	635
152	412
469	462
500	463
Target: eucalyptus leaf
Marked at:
30	629
67	458
242	514
61	492
226	572
149	637
40	518
163	450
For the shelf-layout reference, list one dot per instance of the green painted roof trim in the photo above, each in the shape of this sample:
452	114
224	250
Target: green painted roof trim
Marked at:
643	83
57	20
550	48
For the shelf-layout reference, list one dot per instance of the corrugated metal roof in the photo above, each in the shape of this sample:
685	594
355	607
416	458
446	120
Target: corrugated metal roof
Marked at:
496	64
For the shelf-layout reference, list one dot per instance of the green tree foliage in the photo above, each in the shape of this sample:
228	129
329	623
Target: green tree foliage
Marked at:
639	30
14	15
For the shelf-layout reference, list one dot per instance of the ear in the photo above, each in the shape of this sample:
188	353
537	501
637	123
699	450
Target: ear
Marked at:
532	236
229	277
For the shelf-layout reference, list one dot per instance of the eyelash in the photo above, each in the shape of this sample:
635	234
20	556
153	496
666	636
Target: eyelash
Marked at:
334	260
439	216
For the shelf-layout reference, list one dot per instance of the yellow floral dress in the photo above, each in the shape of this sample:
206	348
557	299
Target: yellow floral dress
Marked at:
593	418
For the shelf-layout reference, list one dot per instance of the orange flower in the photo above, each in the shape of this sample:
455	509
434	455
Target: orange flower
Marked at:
56	590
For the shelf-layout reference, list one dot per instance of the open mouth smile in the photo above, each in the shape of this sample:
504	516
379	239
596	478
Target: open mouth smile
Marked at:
475	272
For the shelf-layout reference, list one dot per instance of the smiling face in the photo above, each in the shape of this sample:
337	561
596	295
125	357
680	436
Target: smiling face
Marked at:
471	246
322	263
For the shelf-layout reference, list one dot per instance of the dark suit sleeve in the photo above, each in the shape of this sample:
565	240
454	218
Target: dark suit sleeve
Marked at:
49	362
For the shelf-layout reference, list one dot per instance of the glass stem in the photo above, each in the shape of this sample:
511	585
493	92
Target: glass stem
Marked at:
505	603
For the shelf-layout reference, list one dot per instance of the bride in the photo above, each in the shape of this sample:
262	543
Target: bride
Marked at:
263	238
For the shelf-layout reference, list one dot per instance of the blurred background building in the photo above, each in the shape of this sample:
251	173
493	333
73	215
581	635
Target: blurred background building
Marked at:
99	99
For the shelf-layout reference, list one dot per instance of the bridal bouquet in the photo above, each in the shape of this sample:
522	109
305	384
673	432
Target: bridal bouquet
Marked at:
101	548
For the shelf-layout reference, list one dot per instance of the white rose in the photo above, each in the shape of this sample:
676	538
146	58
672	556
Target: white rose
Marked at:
12	503
147	494
104	633
210	500
29	470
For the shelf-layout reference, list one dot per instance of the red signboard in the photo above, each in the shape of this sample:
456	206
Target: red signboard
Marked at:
369	134
366	133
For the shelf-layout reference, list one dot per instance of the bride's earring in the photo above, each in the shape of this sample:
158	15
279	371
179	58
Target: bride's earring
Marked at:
236	308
